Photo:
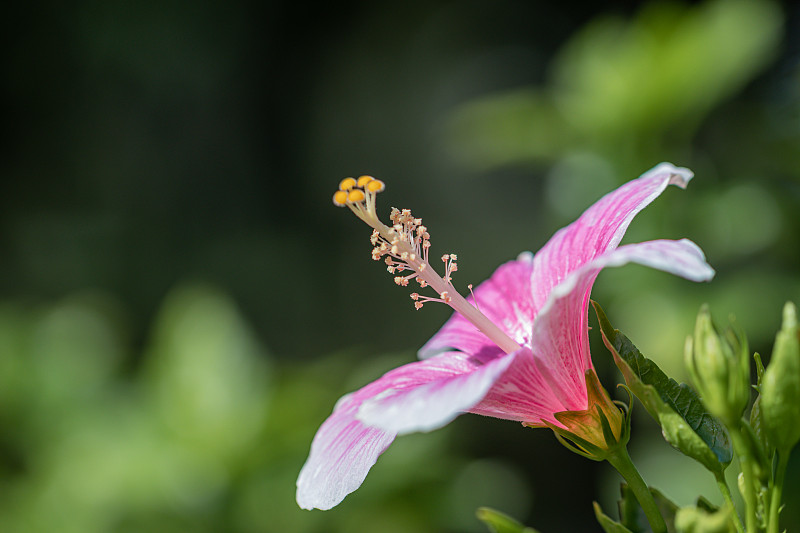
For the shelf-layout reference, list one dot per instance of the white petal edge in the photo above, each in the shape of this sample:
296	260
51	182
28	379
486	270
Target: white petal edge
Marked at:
432	405
682	258
325	481
679	176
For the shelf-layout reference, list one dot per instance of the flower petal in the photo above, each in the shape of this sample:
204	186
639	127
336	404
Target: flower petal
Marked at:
550	377
345	448
505	299
599	229
517	290
524	393
436	403
342	453
595	233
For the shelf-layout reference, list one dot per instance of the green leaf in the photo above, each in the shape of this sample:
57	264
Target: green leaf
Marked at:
756	422
704	54
498	522
685	423
630	512
608	525
700	520
206	376
632	516
667	507
705	505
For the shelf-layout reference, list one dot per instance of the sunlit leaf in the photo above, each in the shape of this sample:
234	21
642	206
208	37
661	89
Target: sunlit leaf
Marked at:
684	422
498	522
206	374
608	524
620	80
701	520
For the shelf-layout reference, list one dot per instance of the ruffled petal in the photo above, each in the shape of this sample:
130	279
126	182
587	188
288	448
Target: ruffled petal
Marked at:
505	299
523	393
682	258
516	292
599	229
436	403
345	448
549	378
342	453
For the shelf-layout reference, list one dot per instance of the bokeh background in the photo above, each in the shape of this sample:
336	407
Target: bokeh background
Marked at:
181	305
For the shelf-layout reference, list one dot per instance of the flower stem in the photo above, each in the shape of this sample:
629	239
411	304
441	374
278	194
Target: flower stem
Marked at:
726	495
622	462
777	490
746	463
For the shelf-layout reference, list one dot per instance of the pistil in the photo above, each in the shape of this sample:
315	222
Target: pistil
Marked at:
404	247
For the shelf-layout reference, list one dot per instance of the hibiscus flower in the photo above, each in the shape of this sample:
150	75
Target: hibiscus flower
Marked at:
516	349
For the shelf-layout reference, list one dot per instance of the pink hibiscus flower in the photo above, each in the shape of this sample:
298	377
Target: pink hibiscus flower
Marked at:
517	349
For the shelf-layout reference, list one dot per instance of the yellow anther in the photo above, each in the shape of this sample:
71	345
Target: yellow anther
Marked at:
355	196
374	185
347	184
339	198
363	180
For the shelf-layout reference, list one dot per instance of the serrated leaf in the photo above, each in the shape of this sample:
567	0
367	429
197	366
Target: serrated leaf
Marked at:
685	423
498	522
607	523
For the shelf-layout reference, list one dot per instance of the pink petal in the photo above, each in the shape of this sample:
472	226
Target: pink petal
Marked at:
550	378
595	233
682	258
561	331
524	393
516	292
342	453
505	299
600	228
436	403
541	302
344	448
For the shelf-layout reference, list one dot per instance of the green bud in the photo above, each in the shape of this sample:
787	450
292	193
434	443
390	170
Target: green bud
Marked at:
720	368
780	387
598	431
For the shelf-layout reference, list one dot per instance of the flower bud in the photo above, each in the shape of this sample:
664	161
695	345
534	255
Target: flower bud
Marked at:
720	368
598	431
780	387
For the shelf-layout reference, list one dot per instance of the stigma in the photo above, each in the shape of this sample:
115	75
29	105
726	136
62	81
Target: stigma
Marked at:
404	248
359	195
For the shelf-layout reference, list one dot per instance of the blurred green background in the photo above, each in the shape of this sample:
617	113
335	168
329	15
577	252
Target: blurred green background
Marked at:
181	304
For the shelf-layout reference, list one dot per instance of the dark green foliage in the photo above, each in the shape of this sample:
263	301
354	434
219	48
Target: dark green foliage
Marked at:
684	421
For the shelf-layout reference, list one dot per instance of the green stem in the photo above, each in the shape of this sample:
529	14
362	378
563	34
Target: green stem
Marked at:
777	490
746	463
726	494
622	462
